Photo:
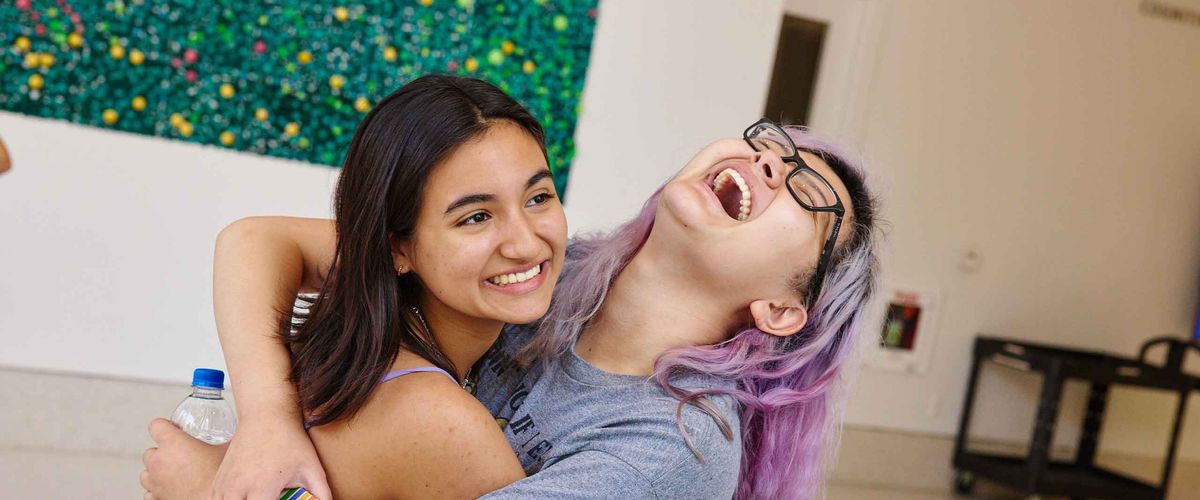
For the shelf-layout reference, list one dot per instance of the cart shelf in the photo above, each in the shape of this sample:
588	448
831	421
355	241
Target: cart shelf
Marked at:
1035	473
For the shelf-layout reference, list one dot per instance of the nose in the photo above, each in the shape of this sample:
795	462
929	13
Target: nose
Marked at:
772	167
521	241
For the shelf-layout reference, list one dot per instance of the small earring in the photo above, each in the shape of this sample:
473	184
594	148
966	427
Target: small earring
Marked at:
400	269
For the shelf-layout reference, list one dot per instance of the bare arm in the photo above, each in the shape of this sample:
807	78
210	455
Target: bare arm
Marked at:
259	265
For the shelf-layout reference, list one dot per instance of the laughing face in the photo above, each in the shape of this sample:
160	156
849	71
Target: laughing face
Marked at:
491	234
731	215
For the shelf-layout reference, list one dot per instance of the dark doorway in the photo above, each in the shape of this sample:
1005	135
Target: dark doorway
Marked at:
797	60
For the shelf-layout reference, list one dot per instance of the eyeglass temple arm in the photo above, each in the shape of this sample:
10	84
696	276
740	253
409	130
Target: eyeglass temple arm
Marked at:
824	260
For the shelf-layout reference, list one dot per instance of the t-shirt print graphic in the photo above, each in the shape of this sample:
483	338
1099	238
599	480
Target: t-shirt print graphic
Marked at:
526	437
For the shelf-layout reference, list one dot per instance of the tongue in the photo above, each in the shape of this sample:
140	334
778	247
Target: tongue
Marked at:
731	199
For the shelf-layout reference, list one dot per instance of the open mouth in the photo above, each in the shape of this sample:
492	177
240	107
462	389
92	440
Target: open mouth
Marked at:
514	278
733	192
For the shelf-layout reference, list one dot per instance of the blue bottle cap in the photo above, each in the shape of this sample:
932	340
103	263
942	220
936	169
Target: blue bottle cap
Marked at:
207	377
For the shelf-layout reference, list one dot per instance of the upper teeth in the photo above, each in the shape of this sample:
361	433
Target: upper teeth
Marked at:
724	177
508	279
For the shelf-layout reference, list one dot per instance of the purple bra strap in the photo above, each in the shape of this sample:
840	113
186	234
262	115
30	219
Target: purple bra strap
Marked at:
397	373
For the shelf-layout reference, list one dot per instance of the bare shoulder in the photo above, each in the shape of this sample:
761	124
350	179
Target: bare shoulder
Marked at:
422	435
429	399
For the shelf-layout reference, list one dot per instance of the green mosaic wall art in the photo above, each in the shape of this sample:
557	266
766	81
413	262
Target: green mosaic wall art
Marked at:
283	78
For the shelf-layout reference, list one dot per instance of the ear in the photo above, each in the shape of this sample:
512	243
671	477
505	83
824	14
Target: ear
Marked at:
781	318
401	250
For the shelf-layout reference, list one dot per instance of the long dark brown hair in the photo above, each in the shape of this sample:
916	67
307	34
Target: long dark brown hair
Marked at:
364	313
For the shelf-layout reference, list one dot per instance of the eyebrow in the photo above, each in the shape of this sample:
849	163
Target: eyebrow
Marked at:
486	197
544	174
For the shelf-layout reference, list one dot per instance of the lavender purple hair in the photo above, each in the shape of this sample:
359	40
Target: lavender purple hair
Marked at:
788	388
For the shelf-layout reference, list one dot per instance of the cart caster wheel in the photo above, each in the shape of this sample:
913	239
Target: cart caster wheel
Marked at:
963	482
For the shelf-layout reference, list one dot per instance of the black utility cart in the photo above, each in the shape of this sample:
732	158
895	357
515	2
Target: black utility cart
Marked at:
1036	474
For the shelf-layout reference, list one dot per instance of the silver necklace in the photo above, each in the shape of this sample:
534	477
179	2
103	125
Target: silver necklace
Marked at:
467	384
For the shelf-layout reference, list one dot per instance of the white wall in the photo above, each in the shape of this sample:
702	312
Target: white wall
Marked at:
108	243
665	79
1059	140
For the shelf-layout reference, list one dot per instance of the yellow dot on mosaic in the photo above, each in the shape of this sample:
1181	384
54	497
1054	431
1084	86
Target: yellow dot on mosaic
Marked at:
291	129
362	105
136	57
227	90
185	129
110	116
472	64
46	60
32	60
36	82
341	14
528	67
425	52
261	114
304	57
304	143
23	44
336	82
176	120
138	103
389	54
426	2
227	138
75	40
507	47
116	51
496	57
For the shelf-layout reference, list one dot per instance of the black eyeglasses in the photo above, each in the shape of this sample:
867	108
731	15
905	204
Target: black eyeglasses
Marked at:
808	187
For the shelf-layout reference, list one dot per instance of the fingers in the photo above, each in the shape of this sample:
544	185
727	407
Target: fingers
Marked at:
147	456
161	429
144	480
318	485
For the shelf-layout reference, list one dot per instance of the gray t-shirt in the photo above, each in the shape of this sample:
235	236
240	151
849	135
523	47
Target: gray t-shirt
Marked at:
580	432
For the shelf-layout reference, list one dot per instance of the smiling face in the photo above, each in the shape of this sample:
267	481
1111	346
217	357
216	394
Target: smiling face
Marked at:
490	237
731	215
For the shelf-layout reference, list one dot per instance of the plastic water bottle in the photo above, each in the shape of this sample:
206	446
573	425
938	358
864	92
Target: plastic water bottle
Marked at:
205	415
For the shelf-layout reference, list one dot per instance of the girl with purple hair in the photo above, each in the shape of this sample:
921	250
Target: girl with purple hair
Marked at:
695	351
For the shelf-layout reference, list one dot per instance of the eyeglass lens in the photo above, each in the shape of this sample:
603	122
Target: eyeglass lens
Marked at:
811	190
768	138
